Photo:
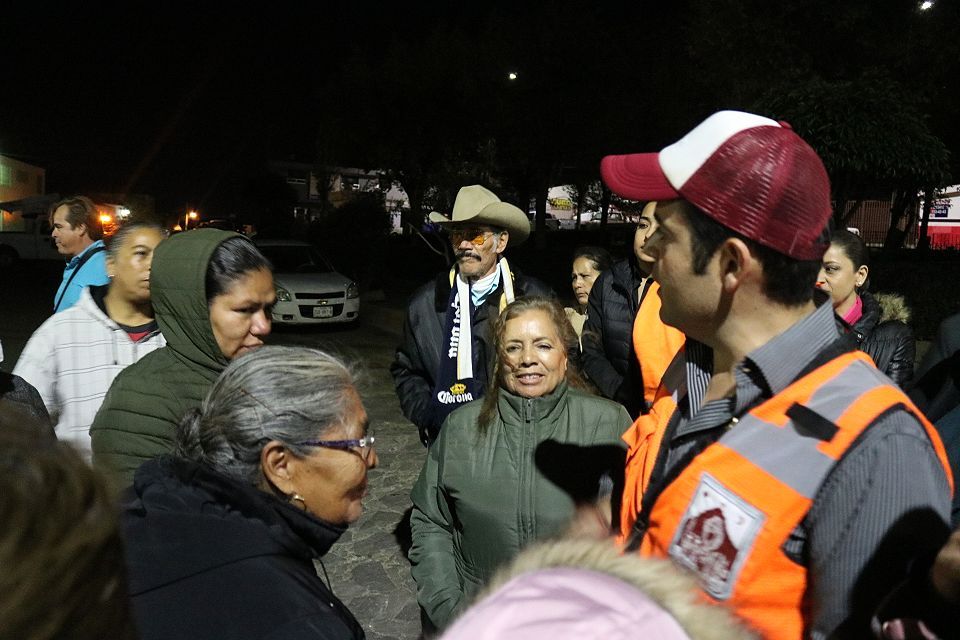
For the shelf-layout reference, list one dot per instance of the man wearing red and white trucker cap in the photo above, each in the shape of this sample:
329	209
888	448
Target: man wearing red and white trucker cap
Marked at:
794	479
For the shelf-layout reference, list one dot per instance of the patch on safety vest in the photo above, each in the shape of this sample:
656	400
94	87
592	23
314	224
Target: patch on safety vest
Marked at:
715	536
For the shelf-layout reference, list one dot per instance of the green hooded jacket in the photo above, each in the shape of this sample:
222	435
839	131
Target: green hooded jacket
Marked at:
140	413
480	499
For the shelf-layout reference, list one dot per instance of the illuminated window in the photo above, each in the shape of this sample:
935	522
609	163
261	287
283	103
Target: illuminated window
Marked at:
6	176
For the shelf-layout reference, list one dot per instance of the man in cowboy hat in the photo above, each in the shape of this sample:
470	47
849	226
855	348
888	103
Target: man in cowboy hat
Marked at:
447	353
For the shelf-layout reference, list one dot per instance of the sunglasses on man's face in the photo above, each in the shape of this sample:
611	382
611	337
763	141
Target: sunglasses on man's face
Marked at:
475	236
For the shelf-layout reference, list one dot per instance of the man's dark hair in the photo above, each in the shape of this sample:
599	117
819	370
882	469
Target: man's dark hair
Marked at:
80	210
232	260
789	281
60	548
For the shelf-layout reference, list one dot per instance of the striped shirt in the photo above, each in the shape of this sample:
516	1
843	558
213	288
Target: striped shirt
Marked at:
72	360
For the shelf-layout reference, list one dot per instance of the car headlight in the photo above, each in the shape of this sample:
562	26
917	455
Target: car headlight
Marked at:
353	291
283	295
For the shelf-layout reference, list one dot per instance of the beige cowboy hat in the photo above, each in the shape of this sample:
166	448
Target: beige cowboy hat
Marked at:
477	205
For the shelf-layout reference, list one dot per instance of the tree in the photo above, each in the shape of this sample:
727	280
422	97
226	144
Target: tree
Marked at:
360	222
440	110
873	139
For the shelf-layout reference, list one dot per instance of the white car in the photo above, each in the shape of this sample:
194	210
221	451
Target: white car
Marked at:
309	291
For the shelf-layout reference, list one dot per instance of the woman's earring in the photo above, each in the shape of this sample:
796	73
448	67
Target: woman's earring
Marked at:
296	497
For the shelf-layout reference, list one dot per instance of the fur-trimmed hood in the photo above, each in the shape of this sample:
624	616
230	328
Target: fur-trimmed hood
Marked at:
879	308
893	307
588	589
883	332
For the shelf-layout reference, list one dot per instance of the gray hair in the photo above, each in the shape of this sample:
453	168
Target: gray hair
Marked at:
288	394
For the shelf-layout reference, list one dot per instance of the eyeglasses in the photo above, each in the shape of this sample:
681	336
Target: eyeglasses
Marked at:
475	236
364	444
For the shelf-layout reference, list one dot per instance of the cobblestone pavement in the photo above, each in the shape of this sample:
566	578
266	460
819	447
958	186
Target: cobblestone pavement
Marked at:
368	568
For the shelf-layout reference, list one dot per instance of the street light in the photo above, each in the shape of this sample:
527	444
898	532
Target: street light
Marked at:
191	215
512	75
926	4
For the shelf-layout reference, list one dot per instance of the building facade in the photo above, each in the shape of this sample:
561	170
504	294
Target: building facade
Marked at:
19	179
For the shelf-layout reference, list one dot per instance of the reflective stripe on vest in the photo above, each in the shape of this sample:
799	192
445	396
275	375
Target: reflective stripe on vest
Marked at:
728	514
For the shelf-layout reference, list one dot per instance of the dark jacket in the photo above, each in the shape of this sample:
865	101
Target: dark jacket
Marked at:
146	401
607	341
936	388
480	499
883	333
936	391
417	363
212	558
22	406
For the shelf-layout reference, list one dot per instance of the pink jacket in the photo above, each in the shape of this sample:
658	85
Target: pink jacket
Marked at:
560	603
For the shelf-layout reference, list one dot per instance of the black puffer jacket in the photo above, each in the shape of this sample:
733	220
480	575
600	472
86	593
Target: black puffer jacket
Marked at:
607	341
936	388
417	362
883	333
210	558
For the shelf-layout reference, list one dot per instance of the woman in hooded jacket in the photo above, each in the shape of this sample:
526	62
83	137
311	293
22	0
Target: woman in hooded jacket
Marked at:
212	293
878	323
74	356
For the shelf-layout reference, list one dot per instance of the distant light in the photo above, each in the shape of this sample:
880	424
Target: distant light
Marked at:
123	212
105	219
926	4
193	215
512	75
177	227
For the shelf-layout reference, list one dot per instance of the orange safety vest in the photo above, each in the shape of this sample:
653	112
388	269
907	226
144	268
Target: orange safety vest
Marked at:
654	343
729	512
643	439
656	346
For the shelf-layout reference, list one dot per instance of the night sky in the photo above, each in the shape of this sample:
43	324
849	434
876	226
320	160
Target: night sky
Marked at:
173	103
185	104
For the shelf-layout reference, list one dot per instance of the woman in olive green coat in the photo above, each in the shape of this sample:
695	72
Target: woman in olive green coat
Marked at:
482	494
212	292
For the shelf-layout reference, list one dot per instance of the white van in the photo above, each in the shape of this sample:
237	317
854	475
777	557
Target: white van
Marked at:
25	232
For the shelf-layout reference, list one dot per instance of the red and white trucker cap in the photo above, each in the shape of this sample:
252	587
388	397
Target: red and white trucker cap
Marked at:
749	173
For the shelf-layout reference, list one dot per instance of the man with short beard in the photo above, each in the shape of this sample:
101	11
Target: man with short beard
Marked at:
444	360
793	479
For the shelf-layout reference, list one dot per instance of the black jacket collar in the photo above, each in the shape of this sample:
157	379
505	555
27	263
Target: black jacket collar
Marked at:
225	521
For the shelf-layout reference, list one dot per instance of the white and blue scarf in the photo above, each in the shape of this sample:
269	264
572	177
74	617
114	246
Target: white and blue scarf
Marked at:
457	383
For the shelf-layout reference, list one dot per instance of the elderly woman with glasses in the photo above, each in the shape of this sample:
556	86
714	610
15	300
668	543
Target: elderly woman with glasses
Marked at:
513	468
222	538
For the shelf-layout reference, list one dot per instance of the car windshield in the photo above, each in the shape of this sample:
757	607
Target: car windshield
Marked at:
295	259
